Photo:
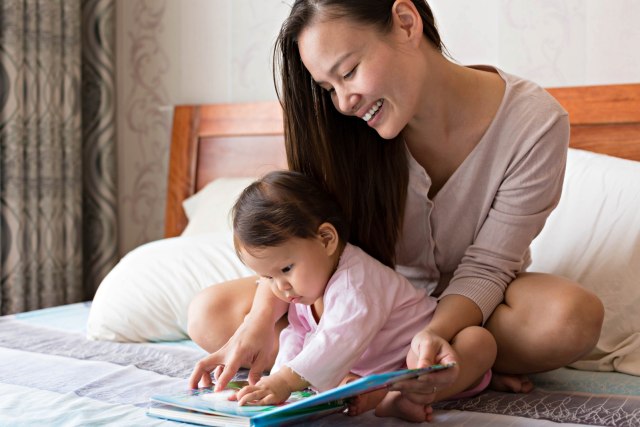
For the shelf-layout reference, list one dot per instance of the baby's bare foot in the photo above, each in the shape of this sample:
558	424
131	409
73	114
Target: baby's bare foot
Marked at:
511	383
394	405
365	402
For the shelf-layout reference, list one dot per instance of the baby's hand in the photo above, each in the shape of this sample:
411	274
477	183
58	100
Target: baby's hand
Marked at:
270	390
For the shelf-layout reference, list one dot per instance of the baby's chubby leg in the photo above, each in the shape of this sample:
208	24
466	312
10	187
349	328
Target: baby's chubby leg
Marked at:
476	350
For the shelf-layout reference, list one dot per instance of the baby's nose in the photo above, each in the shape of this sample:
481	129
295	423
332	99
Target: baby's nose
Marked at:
284	285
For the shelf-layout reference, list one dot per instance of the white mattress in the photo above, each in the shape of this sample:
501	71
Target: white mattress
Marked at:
51	375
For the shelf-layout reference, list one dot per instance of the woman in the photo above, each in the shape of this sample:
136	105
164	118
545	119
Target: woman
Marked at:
446	172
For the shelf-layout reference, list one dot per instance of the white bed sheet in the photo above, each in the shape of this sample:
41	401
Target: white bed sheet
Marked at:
51	375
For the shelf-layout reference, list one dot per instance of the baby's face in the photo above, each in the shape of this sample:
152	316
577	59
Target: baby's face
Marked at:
298	270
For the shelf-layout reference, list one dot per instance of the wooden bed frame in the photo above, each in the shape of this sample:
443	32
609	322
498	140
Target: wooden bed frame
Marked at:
234	140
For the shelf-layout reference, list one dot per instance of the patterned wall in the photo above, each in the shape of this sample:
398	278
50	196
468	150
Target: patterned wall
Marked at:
195	51
144	66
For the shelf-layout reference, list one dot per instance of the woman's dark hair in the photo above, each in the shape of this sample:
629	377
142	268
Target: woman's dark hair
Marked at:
282	205
367	174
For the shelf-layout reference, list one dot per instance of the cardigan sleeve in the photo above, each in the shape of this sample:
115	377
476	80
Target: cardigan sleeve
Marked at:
529	191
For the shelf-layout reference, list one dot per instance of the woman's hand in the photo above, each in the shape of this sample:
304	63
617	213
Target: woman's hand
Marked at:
251	346
428	348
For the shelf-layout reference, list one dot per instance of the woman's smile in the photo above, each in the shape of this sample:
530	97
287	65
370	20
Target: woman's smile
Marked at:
371	115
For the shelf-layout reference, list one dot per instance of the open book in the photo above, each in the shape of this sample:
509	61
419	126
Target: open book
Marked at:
206	407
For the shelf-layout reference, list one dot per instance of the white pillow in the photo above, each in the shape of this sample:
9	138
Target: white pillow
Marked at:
593	237
146	295
209	209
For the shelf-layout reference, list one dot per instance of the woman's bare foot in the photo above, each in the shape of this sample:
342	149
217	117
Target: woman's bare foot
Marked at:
511	383
394	405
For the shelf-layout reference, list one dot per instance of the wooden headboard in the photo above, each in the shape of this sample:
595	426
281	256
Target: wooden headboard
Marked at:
235	140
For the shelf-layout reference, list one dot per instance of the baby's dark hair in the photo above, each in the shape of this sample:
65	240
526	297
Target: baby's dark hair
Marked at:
282	205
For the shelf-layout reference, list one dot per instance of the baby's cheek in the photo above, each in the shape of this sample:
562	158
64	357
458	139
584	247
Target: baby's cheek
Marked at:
279	294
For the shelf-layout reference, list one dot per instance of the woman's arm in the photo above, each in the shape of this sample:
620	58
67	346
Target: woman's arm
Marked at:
433	345
453	314
529	188
266	306
250	346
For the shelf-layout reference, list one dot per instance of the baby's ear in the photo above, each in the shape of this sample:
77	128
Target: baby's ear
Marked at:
328	235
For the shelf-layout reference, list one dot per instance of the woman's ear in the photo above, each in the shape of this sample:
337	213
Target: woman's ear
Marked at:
407	22
328	235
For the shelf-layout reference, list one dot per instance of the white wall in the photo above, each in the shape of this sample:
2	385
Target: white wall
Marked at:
180	52
553	42
205	51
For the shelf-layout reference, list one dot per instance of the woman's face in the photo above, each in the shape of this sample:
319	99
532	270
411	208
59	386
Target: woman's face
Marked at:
368	73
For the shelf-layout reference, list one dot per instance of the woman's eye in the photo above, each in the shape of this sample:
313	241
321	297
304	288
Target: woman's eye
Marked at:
287	268
350	73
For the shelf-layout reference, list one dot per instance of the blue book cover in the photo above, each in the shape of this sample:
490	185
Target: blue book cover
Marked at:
204	406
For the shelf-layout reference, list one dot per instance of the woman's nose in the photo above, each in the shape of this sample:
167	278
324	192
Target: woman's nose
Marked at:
347	101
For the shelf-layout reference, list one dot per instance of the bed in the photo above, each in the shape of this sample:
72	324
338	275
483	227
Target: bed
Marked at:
52	374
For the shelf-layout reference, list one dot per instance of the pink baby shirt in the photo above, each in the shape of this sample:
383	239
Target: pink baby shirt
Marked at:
371	314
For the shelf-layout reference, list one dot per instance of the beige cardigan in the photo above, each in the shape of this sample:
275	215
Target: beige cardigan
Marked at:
473	238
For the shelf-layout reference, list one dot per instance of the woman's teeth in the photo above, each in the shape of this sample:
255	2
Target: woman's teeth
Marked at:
372	112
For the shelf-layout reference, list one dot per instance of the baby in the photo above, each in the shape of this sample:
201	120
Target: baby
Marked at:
349	315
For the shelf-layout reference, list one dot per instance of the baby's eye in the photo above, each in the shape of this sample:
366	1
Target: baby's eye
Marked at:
267	277
287	268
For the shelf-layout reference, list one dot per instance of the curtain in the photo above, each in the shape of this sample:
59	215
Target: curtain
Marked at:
57	151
